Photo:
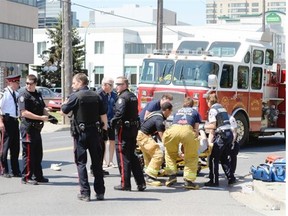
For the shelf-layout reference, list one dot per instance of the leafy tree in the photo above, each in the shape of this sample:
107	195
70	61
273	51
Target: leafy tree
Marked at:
49	74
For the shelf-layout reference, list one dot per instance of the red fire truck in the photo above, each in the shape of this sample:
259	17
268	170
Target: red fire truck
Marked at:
238	66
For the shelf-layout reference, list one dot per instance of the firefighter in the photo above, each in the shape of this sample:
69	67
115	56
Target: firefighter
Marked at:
33	115
184	130
88	125
154	105
218	122
126	123
152	153
10	127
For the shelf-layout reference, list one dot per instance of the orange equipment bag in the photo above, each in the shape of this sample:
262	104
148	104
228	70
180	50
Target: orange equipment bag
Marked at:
271	158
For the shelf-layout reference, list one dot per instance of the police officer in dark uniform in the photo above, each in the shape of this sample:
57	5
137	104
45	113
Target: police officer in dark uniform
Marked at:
89	122
9	127
218	122
33	115
126	123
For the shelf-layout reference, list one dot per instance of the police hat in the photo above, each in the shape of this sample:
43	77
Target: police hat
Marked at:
13	78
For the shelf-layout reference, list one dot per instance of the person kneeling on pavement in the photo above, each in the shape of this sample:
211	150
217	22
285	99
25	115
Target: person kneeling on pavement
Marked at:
152	153
184	130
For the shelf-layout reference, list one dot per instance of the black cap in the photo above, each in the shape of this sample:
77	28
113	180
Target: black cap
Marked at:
13	78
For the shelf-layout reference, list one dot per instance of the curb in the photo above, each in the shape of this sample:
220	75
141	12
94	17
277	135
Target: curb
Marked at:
273	192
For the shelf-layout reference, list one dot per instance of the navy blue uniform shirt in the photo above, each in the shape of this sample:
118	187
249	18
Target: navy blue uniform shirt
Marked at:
187	116
153	124
152	106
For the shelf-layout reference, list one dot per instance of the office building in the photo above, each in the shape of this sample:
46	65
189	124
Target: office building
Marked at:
18	18
49	12
234	9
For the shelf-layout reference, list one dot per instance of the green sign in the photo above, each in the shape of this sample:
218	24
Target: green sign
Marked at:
273	18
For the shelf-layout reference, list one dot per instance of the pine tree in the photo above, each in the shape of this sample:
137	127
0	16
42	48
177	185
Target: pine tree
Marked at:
53	56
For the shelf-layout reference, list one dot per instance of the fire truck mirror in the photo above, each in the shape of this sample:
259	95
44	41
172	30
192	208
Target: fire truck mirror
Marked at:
212	81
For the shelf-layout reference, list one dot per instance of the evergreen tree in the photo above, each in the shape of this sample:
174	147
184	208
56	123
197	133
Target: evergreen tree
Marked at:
50	71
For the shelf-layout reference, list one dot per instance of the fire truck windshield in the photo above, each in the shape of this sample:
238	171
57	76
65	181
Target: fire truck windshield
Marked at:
179	72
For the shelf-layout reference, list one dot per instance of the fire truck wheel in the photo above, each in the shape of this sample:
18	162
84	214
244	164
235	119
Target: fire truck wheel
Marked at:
243	129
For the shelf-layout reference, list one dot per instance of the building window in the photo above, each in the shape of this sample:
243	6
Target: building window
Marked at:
99	74
131	73
99	47
13	32
41	46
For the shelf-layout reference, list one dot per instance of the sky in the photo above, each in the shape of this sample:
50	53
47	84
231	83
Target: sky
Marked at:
188	11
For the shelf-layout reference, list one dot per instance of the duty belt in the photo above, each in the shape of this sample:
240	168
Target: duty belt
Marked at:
82	126
131	123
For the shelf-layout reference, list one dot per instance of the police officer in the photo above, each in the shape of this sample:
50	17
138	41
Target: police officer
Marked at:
10	127
33	115
86	127
218	122
126	123
152	153
184	130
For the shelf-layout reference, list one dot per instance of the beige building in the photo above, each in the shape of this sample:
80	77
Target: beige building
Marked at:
18	18
234	9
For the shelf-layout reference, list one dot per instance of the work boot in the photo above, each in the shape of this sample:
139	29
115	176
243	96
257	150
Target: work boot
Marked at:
29	181
83	197
100	196
152	181
119	187
232	181
190	185
211	184
141	187
171	180
42	180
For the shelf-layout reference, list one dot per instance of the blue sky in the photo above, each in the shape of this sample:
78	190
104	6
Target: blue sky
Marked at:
188	11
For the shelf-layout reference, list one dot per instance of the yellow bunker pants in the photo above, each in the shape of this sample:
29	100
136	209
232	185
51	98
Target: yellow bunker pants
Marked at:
153	155
172	137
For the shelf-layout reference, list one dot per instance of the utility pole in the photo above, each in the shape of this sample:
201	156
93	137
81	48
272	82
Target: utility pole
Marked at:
67	49
263	16
159	25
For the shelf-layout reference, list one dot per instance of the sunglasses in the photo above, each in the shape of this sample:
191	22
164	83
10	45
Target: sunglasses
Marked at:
109	84
119	84
16	81
30	83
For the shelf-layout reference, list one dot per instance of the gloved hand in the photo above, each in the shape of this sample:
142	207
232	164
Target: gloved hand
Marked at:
104	135
52	119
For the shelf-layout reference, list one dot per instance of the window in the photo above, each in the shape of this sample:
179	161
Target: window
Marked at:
256	78
258	56
247	57
99	47
243	74
41	46
269	54
227	76
131	73
99	74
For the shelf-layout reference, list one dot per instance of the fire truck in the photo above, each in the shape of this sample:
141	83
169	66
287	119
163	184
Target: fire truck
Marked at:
237	65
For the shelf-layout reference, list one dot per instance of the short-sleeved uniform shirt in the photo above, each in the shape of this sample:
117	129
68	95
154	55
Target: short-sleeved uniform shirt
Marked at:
152	106
153	123
7	103
187	116
32	102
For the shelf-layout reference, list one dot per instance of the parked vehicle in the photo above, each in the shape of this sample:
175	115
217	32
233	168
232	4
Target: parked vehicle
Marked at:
57	90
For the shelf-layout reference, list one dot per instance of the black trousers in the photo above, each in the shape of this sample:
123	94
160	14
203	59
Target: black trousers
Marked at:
32	153
89	140
125	141
10	142
220	152
233	156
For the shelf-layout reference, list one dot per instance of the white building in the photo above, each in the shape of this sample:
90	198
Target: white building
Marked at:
116	51
17	20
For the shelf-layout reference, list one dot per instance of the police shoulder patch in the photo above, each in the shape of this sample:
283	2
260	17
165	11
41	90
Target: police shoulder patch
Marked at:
21	99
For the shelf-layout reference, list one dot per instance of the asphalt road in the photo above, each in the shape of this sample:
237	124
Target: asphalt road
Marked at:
59	196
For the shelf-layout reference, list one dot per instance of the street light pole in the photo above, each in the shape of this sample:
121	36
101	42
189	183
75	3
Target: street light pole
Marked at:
85	45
